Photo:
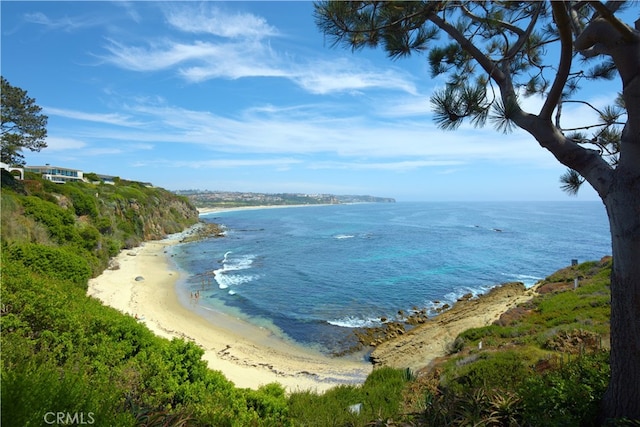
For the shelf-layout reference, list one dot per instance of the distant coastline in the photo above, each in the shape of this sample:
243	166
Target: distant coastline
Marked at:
234	199
213	210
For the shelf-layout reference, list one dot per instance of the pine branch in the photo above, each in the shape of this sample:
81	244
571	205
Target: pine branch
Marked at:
563	23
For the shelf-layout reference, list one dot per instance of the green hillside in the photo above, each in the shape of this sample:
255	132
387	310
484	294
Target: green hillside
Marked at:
65	354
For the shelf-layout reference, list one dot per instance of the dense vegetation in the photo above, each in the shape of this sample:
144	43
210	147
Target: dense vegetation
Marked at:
543	364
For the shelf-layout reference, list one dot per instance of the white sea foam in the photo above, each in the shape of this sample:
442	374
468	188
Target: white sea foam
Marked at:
343	236
528	280
227	280
355	322
227	275
460	292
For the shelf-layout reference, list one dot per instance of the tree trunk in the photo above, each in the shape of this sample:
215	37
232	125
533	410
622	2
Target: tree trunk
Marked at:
622	399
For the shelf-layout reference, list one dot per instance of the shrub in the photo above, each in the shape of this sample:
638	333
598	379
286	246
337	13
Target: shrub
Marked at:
502	370
379	397
568	396
59	221
269	404
90	237
33	391
57	262
84	202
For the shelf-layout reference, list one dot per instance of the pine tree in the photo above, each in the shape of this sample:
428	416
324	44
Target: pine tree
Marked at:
23	124
494	54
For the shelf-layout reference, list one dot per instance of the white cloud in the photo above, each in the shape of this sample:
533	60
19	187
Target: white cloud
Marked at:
65	23
209	19
243	49
107	118
55	143
200	61
409	106
234	61
343	75
130	10
294	132
395	166
228	163
158	56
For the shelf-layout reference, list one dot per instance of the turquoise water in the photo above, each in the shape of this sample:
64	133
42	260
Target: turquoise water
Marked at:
314	273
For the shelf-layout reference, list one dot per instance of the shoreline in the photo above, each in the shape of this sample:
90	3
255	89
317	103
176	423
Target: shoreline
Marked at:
144	285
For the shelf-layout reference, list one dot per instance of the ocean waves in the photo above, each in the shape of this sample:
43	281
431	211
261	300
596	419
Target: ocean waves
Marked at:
356	322
231	274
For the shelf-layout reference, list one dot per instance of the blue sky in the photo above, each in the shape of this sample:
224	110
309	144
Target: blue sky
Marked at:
250	96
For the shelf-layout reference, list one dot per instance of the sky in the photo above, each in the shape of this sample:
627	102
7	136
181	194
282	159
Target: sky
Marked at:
251	96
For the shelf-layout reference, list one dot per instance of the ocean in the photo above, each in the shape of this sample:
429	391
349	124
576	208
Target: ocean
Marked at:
311	274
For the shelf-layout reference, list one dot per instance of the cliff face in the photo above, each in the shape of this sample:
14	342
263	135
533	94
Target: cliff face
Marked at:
94	221
155	216
167	216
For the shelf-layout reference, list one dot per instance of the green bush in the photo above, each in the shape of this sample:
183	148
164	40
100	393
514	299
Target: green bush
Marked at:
104	225
34	393
83	198
568	396
379	398
59	221
108	358
500	370
269	404
90	237
62	262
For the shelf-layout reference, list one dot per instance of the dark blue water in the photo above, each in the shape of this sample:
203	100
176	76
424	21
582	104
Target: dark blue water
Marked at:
313	273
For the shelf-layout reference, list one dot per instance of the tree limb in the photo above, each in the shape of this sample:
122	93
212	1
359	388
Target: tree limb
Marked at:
522	39
607	14
595	169
563	23
513	28
487	64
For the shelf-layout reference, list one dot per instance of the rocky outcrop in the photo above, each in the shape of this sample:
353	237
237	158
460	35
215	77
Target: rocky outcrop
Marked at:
417	347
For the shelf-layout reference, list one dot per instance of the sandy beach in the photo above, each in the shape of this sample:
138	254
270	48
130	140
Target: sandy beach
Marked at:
144	285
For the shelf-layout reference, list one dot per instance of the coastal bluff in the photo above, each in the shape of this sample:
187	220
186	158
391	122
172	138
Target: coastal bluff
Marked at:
418	347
